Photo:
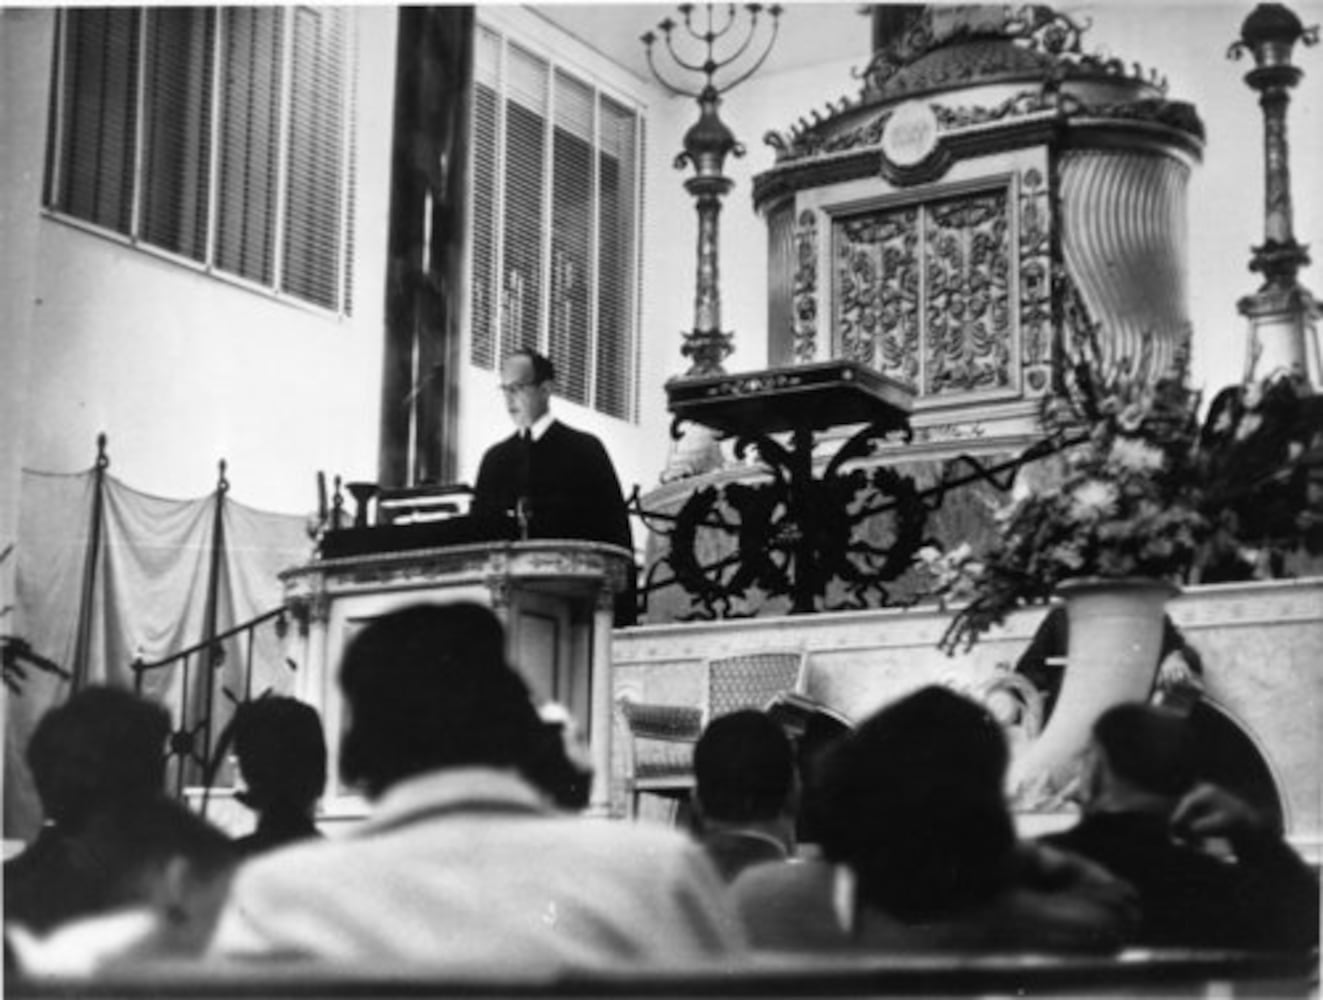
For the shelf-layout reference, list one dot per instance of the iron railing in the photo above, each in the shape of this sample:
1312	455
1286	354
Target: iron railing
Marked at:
195	741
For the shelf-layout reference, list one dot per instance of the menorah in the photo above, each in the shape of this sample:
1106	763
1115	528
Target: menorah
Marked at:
707	144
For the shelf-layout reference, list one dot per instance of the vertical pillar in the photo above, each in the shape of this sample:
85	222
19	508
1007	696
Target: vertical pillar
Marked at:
425	269
601	681
87	600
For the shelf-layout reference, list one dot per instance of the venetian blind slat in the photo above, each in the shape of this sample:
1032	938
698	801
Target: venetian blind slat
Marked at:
250	115
208	155
569	329
485	130
315	168
485	291
100	115
522	264
617	256
177	129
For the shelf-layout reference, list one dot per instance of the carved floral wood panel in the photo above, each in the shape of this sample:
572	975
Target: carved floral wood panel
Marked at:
877	291
1035	282
923	292
966	265
805	289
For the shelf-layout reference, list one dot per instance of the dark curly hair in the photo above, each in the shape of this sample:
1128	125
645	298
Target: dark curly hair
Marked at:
428	687
1150	747
913	802
102	746
744	768
281	751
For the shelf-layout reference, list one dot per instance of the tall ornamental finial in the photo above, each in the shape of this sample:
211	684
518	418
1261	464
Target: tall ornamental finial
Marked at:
1282	314
708	142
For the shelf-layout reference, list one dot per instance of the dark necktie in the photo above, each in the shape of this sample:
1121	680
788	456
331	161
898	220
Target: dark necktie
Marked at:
523	477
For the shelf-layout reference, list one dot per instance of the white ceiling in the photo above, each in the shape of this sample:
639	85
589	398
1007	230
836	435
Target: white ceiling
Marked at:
809	32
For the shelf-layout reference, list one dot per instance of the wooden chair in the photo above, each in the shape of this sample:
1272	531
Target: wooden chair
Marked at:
660	748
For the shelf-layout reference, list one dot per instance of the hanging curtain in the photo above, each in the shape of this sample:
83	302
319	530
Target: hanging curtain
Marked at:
50	552
148	599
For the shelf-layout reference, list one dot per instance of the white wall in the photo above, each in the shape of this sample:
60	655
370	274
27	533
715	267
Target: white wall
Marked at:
180	369
25	38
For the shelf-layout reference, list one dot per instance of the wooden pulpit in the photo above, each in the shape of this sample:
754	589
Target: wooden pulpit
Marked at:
554	596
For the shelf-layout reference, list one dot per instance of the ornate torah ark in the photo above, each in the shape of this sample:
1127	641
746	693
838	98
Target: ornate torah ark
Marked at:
990	192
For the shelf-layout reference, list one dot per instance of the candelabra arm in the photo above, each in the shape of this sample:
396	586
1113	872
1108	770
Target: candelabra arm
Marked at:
744	46
776	28
700	67
713	33
661	78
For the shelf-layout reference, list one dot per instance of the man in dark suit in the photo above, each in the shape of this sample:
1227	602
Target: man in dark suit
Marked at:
1210	870
548	480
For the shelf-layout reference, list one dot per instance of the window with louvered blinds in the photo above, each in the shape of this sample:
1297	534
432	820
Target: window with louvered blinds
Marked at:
557	178
219	136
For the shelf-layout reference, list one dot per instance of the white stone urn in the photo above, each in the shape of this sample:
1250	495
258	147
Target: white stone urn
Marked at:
1115	626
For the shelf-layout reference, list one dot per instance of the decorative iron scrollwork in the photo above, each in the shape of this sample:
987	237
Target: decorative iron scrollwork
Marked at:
845	542
794	535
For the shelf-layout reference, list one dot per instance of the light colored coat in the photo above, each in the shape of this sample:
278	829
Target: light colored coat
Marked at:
466	870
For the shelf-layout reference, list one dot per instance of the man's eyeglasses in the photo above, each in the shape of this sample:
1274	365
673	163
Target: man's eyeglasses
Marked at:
511	388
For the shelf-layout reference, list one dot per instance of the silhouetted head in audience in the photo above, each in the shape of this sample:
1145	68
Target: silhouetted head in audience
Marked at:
281	751
913	802
744	771
427	688
1142	757
103	746
152	857
164	856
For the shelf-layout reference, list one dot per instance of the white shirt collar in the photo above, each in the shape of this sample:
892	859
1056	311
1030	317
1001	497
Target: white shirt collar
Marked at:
540	425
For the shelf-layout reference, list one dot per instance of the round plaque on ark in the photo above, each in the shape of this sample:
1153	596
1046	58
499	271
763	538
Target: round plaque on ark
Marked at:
910	135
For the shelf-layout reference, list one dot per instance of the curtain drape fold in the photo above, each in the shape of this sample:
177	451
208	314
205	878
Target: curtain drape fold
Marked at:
147	599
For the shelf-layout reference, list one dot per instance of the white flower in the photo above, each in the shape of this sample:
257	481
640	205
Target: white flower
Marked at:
1139	456
1093	499
1132	417
929	554
953	572
960	553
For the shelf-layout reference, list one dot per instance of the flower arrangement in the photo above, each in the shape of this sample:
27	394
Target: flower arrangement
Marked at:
1124	502
1256	451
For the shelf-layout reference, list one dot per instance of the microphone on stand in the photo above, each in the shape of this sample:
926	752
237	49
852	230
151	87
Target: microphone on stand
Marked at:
522	514
523	508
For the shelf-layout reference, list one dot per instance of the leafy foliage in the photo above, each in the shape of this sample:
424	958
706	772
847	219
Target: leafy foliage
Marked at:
1126	500
1146	491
